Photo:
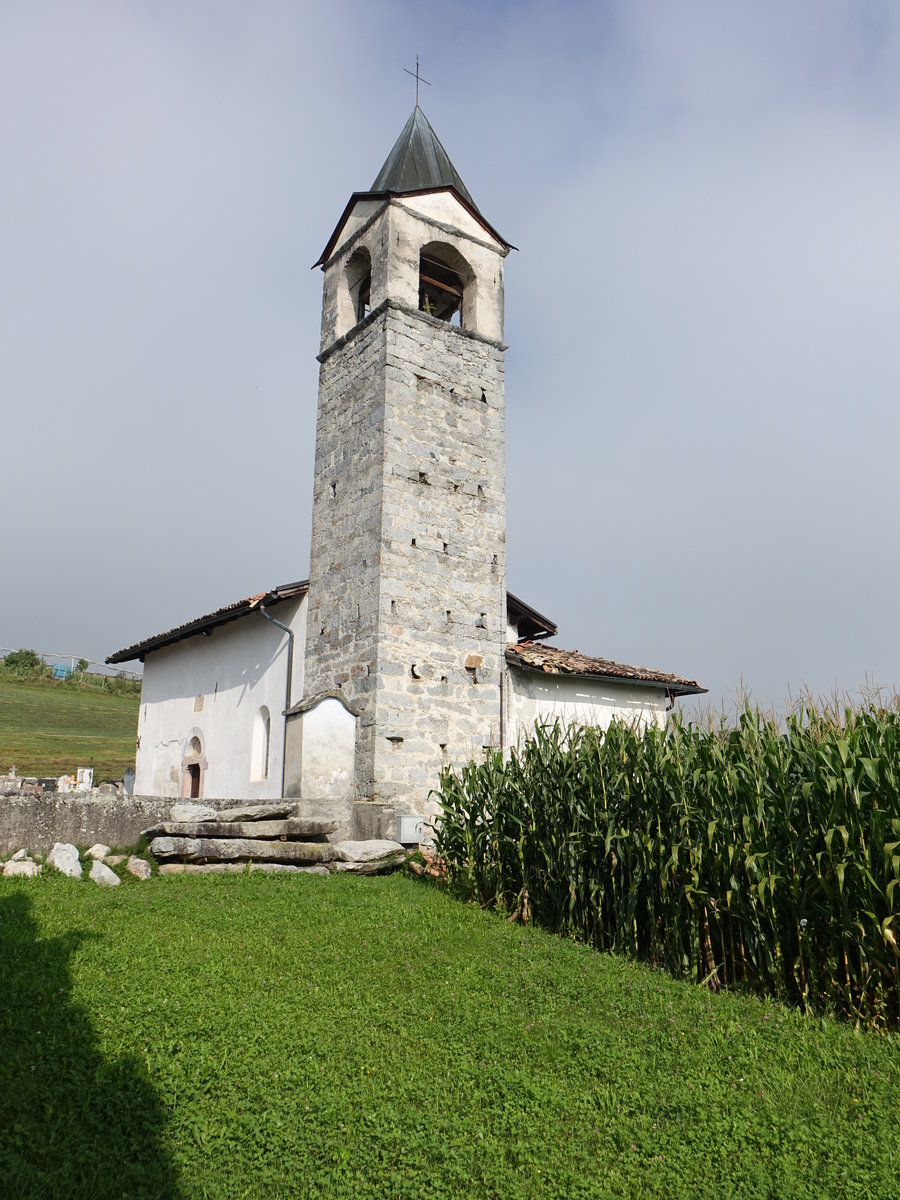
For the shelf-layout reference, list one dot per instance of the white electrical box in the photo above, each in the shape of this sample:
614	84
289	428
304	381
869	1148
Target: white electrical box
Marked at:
414	831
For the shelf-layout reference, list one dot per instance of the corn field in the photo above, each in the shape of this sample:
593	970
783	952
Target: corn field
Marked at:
762	857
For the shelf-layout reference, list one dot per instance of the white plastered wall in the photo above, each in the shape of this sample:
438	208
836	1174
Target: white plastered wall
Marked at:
329	751
483	306
213	688
405	225
539	697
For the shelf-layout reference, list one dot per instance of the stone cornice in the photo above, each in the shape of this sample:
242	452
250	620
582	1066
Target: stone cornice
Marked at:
417	313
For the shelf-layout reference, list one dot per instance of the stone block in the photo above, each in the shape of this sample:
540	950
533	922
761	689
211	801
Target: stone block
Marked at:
64	858
100	873
24	868
231	849
138	867
279	868
356	854
252	812
193	812
202	868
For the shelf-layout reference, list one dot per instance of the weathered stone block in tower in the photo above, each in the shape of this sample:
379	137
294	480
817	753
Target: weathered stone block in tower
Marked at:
407	578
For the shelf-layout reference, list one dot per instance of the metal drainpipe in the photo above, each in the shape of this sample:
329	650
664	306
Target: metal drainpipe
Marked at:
502	713
287	684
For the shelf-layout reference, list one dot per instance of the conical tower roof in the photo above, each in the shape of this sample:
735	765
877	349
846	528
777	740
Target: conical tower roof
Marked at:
418	162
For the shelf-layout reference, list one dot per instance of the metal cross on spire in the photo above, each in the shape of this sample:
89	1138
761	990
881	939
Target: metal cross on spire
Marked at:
418	78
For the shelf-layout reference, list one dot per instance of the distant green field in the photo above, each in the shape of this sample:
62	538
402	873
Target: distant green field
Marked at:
51	727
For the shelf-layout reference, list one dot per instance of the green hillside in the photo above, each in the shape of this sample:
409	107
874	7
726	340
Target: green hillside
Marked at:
51	726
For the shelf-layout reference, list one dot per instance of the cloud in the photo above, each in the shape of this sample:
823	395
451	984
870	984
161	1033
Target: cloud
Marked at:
701	379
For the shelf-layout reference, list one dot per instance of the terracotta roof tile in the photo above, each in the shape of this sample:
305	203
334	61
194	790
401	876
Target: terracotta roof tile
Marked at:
539	656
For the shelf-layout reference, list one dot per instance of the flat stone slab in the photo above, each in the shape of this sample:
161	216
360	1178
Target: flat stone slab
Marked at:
278	868
375	866
64	857
239	868
297	829
202	868
113	860
367	851
192	812
100	873
256	812
231	849
301	828
368	858
22	867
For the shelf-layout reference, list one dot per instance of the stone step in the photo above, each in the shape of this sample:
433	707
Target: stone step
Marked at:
177	868
258	812
296	829
234	849
369	857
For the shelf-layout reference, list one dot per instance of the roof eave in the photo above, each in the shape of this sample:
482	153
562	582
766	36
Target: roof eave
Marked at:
206	624
550	627
357	196
661	685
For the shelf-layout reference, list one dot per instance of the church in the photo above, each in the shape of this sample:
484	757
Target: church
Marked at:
403	652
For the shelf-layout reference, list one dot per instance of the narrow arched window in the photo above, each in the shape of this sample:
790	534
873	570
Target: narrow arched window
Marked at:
260	751
267	741
359	283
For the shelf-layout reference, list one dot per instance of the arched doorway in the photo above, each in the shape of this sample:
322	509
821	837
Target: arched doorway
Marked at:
193	767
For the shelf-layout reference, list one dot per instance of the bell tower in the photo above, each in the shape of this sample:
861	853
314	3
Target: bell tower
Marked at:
407	594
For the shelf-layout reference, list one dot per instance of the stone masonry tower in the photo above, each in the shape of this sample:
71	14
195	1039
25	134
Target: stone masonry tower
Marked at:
407	593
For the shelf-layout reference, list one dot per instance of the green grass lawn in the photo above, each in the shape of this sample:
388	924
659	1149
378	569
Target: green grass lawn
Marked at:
50	727
299	1036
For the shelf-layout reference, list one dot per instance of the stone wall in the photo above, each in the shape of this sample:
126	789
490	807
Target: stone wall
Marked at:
443	554
407	574
35	822
342	620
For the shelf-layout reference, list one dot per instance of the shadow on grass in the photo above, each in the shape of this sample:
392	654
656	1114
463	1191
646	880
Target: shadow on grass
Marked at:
72	1123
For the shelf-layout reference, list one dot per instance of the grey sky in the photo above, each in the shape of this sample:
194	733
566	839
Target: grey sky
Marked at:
703	374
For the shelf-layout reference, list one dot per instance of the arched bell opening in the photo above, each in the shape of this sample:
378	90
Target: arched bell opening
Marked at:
359	283
354	291
446	285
